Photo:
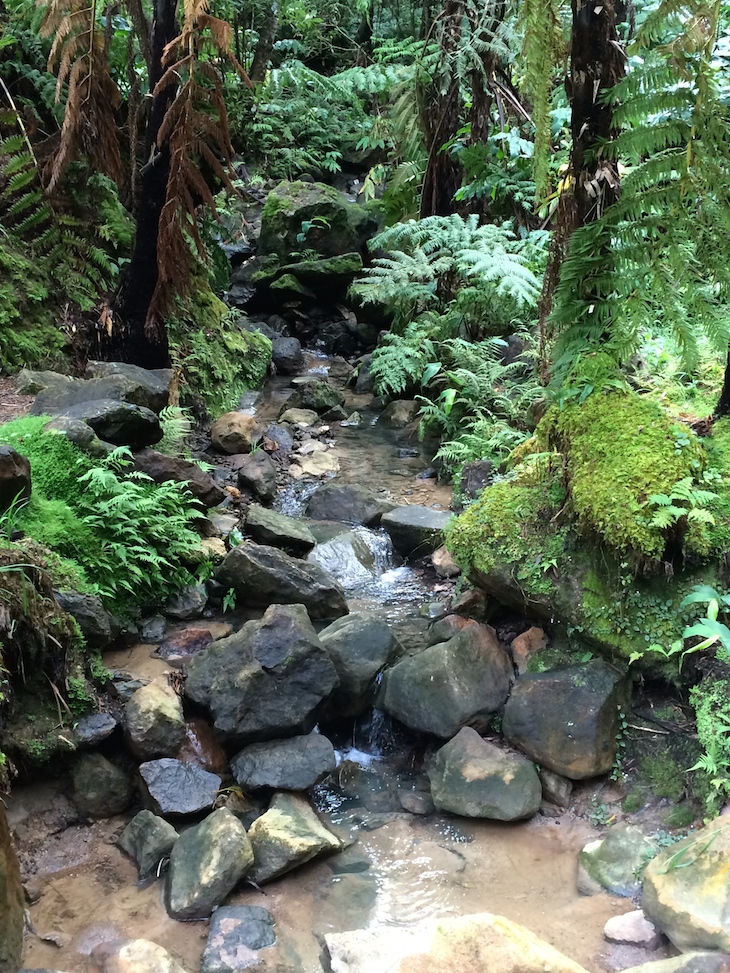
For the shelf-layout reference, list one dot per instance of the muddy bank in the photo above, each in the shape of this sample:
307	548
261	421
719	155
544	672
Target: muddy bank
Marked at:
11	902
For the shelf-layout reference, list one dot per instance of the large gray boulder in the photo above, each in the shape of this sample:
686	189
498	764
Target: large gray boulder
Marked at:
567	719
286	836
30	381
266	680
93	619
137	387
147	839
291	765
361	645
162	468
15	481
274	529
206	864
314	394
100	788
80	434
263	575
154	721
415	530
257	475
472	777
119	423
348	503
286	356
615	862
177	787
462	682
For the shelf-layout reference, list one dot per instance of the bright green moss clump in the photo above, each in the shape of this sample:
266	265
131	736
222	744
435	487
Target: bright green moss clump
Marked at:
620	450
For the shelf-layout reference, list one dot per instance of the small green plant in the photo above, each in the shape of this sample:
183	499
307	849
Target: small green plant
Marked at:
177	424
229	600
9	517
599	814
686	503
316	223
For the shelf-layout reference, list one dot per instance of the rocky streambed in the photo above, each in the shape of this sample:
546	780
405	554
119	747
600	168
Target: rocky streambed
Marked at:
348	768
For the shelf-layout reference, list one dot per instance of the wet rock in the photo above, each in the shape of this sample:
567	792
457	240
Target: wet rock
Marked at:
319	464
444	565
200	747
147	839
555	789
80	434
365	383
223	523
447	627
94	620
176	787
119	423
237	934
689	902
399	413
140	388
360	645
162	469
525	646
416	802
188	602
463	681
632	929
415	530
292	765
348	557
132	956
286	355
475	476
179	648
235	432
152	629
471	604
354	420
100	789
278	441
276	530
154	721
92	730
348	504
152	378
304	418
481	943
30	381
567	719
266	680
695	962
286	836
263	575
14	477
614	863
12	903
206	864
316	394
472	777
257	474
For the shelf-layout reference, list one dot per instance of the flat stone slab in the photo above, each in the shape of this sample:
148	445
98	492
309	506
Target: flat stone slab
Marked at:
237	933
179	788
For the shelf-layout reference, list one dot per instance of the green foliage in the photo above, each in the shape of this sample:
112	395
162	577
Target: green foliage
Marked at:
177	425
711	701
56	464
400	361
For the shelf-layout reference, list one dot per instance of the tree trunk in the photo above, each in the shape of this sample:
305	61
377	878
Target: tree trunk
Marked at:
267	36
597	63
723	405
130	337
441	119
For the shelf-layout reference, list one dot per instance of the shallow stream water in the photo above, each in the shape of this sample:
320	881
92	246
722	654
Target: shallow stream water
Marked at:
400	867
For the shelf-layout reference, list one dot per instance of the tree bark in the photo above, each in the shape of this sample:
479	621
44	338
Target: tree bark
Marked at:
267	36
723	404
130	338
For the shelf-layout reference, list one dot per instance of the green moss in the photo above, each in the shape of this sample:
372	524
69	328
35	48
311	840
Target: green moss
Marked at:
717	536
28	335
632	802
56	464
664	776
680	816
620	449
288	282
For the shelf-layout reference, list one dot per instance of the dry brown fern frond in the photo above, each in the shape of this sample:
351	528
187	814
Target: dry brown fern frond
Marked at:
79	55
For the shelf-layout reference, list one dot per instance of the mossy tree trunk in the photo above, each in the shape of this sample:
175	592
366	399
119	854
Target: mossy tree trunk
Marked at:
265	45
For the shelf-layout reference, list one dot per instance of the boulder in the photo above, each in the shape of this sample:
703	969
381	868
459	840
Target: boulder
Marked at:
332	274
237	934
614	863
524	646
93	619
567	719
119	423
278	441
235	432
141	388
135	373
93	729
348	504
444	565
178	649
131	956
475	476
415	530
447	627
14	477
365	383
80	434
266	680
315	395
450	685
275	530
304	418
361	645
257	475
31	382
286	355
206	864
632	929
481	943
100	789
694	962
12	902
162	468
286	836
555	789
685	889
147	839
292	765
263	575
350	557
187	602
176	787
399	413
472	777
333	226
319	464
154	721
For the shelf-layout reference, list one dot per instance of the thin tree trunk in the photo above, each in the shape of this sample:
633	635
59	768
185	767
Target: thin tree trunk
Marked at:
723	404
130	338
267	36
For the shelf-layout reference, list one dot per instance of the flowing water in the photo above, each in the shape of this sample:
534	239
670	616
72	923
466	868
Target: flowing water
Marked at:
399	867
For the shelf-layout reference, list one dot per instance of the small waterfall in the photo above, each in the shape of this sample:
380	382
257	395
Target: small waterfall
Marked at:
355	557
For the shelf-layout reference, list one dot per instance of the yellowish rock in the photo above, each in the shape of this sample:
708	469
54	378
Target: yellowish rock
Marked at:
319	464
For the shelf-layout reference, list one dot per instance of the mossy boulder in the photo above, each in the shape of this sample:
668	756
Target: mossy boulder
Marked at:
319	215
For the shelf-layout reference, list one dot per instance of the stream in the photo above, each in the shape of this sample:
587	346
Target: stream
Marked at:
400	867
